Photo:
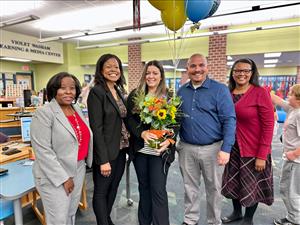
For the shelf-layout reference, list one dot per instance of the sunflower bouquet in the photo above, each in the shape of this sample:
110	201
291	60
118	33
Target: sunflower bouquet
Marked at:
160	113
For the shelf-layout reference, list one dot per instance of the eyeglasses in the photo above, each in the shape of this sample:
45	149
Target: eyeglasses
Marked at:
242	71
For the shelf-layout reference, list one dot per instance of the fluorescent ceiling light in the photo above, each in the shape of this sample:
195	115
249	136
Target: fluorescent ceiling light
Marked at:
112	34
266	61
97	17
15	59
125	32
49	39
279	13
159	39
88	19
268	27
124	64
69	36
272	55
168	67
195	35
270	65
18	21
229	57
181	70
230	6
230	63
13	7
85	19
98	46
231	31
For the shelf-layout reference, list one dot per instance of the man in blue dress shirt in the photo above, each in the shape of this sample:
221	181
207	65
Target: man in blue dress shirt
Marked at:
206	137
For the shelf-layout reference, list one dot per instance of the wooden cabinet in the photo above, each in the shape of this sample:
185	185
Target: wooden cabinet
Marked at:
9	124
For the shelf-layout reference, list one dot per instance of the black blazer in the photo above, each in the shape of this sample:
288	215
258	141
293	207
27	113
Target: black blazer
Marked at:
106	124
136	127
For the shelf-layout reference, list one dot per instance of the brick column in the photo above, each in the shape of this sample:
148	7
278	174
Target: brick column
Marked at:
298	75
135	65
217	59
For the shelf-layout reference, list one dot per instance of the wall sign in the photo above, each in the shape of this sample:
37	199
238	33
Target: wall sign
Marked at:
27	47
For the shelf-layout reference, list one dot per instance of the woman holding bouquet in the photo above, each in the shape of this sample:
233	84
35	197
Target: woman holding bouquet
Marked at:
107	110
151	166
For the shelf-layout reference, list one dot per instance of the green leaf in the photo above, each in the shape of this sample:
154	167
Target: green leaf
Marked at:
148	120
156	124
145	110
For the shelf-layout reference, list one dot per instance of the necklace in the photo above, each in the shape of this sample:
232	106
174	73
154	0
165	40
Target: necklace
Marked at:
241	89
77	130
68	111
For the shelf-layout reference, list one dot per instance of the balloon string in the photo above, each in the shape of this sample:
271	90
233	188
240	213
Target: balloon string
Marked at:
174	64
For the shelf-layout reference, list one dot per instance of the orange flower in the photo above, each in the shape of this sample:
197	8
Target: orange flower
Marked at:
152	108
159	100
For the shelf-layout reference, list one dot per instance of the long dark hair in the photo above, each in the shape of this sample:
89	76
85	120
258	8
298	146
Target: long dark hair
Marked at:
99	78
254	75
162	88
55	83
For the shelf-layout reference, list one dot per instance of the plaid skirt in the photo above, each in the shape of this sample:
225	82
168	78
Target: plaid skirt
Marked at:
242	182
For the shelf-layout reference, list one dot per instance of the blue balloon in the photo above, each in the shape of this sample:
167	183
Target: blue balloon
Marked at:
198	9
214	8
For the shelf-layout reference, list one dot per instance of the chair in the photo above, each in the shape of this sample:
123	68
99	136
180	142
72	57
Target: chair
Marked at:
6	209
281	116
3	138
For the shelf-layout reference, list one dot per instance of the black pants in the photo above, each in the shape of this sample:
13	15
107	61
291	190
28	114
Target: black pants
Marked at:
153	204
106	188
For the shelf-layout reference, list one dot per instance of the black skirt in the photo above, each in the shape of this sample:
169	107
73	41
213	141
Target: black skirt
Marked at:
242	182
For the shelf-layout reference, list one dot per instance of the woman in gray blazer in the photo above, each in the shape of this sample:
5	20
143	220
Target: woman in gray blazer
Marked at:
62	143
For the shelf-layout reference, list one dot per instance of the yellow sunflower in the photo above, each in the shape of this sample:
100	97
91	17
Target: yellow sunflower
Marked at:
161	114
173	109
172	114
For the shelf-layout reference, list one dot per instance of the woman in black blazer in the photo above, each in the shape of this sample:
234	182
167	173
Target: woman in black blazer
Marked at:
151	169
106	109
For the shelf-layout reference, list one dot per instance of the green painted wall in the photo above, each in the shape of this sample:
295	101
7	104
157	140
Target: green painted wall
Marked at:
45	71
8	66
277	40
166	50
170	74
278	71
91	56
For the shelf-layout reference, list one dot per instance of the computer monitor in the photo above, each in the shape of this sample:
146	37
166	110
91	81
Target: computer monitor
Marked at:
25	128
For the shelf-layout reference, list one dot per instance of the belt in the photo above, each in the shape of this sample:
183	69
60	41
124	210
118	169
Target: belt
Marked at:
209	143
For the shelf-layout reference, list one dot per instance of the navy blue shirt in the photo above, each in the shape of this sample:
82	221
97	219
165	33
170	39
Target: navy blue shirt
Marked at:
209	114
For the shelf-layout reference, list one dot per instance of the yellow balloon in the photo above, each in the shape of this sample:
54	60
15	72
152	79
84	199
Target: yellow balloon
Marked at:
174	17
166	4
160	4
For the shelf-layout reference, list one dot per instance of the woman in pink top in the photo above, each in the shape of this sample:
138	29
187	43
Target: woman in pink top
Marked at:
248	178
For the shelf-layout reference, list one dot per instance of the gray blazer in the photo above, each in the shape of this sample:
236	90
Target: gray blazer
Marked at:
55	144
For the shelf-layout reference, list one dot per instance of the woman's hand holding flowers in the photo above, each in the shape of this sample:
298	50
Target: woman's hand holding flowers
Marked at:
147	136
164	145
